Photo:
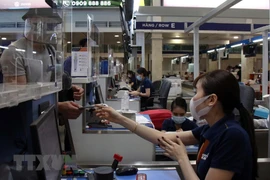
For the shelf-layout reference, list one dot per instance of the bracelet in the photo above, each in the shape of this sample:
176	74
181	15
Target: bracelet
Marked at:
135	127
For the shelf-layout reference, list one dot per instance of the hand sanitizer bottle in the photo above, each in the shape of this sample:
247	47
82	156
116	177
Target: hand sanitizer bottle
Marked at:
125	102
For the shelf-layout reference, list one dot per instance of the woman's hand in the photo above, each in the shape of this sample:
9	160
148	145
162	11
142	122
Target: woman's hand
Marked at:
135	93
176	151
108	113
78	92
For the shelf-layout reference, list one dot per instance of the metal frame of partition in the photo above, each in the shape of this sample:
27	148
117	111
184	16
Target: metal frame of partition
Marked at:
265	31
195	27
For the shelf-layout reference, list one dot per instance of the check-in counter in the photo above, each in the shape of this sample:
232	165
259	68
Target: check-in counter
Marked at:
134	104
153	170
100	144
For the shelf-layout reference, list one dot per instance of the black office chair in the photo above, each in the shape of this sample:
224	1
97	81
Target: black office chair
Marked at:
156	85
160	101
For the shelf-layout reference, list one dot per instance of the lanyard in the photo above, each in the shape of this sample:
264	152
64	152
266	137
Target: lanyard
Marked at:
202	150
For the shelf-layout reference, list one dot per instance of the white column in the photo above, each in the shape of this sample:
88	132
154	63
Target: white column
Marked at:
265	64
156	56
219	59
196	54
140	41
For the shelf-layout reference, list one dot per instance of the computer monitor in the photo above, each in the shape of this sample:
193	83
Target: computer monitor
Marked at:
46	141
98	95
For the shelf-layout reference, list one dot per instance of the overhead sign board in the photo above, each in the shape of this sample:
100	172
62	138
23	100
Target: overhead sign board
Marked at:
160	25
245	4
205	27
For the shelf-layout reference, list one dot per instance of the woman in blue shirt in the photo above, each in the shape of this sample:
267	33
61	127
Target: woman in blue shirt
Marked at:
146	88
227	148
178	122
132	80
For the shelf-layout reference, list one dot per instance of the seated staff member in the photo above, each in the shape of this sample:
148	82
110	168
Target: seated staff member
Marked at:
132	80
178	122
146	88
227	147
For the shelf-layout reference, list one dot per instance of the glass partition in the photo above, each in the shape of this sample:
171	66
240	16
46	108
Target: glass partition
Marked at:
31	52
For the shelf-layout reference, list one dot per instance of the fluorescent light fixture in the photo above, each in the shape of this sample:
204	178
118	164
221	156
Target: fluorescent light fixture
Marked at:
4	38
116	35
68	42
220	49
118	42
261	44
20	50
210	51
184	57
177	36
235	37
257	40
4	47
34	52
236	45
136	5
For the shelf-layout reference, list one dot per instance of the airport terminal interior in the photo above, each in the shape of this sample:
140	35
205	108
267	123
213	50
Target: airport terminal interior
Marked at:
134	89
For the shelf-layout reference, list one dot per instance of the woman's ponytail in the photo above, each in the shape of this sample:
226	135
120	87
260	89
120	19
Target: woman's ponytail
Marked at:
246	121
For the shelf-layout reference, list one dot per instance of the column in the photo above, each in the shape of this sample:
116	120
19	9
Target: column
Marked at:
265	64
156	56
196	52
134	55
147	57
140	41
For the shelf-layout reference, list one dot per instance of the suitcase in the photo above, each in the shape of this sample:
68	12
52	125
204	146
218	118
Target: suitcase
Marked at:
157	116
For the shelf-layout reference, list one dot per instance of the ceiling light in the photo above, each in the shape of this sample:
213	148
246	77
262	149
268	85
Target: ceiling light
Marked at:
4	47
4	38
116	35
235	37
210	51
257	40
261	44
118	42
220	49
177	36
68	42
236	45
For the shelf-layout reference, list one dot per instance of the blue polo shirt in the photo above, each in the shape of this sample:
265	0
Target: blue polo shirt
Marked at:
229	148
169	125
134	81
146	84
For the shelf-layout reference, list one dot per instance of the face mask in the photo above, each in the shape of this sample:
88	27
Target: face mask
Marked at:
194	104
139	78
179	119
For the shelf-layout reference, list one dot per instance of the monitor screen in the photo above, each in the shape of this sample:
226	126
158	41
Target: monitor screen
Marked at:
46	141
98	94
250	50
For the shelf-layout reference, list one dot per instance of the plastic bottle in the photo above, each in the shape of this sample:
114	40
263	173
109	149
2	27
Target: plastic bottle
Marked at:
125	102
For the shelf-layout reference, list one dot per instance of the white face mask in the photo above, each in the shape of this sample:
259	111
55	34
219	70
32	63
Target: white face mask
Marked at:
178	119
194	104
